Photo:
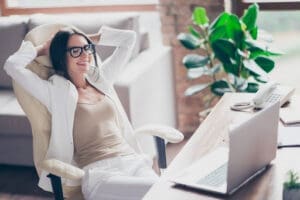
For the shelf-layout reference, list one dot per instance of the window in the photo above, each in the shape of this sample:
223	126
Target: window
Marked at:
281	19
147	9
238	6
56	3
23	7
285	30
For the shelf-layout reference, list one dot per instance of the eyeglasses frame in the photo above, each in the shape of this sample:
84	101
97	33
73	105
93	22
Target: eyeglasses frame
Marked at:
83	48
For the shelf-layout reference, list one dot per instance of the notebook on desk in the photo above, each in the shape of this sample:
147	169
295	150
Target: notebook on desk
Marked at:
289	126
290	115
288	136
252	146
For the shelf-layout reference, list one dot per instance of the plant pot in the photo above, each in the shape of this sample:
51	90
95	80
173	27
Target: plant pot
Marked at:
291	194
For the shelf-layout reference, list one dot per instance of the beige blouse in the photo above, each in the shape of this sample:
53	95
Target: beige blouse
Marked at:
97	134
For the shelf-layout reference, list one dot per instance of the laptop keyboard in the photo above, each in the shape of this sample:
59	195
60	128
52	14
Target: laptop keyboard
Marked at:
273	98
216	178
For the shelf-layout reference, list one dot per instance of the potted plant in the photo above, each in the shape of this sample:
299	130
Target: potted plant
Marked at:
232	46
291	187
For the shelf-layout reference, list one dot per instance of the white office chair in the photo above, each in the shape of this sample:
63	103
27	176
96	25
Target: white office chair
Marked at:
40	121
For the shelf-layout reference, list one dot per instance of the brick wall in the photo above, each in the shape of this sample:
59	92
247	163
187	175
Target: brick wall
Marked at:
175	16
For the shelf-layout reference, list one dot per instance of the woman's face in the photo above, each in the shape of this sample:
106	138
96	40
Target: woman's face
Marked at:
78	56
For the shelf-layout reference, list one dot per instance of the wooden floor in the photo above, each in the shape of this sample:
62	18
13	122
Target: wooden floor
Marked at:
20	183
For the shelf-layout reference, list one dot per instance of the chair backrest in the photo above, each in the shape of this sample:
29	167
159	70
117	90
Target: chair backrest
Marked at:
37	113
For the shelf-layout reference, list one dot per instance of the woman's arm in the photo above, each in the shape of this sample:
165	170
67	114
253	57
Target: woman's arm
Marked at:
124	41
31	82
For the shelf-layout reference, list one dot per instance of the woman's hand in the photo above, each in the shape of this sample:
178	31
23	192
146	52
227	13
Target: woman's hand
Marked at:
95	37
43	49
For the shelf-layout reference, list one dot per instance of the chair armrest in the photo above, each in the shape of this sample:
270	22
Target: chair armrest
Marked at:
165	132
62	169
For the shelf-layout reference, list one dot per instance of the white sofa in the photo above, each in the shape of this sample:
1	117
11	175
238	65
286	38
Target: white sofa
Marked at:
145	88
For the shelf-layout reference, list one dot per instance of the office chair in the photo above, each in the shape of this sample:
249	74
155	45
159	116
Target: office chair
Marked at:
40	121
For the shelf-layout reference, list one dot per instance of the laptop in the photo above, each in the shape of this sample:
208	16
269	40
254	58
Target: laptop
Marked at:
252	146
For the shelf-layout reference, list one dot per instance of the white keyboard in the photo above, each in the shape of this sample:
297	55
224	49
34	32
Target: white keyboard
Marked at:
215	178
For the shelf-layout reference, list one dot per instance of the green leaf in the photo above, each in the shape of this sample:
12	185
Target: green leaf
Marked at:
195	89
194	73
199	16
255	44
234	30
224	50
265	63
244	73
221	20
252	87
253	67
250	16
231	68
261	79
292	181
220	87
259	49
260	45
194	32
194	61
226	26
218	33
253	32
255	52
218	29
189	41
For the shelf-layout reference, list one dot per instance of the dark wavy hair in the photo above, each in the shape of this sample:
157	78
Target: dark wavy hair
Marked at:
58	46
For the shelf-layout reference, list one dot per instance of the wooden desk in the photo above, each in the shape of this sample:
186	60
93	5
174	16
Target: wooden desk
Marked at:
211	134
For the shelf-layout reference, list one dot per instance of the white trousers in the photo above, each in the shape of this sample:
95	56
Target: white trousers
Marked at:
118	178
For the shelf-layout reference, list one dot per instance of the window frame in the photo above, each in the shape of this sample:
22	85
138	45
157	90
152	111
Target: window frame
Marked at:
6	10
238	6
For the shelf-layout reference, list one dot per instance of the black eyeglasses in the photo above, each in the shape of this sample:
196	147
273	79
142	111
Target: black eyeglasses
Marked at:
75	52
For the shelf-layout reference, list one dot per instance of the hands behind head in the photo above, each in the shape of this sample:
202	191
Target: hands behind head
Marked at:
95	37
43	49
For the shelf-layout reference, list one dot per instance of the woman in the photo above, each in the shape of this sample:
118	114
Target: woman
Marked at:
88	123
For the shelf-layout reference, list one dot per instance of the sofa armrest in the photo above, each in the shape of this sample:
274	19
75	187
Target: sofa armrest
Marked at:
146	88
62	169
146	91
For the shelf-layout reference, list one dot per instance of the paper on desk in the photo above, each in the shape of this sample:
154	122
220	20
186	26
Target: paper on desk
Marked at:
291	113
288	135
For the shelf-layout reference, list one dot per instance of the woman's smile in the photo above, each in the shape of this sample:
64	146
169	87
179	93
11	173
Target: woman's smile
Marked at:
83	63
80	64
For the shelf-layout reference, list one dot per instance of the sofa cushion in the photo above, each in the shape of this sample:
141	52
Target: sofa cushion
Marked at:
12	118
91	23
12	32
